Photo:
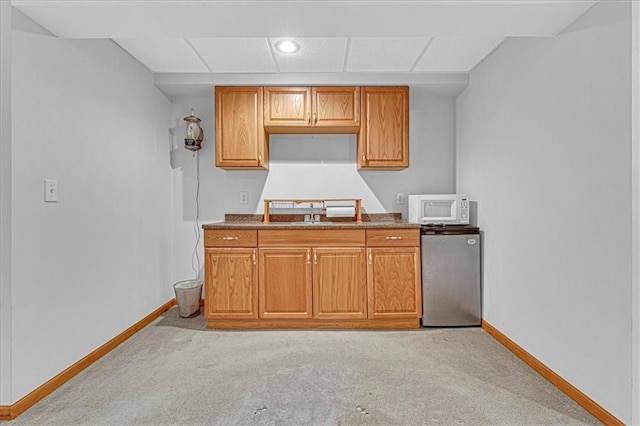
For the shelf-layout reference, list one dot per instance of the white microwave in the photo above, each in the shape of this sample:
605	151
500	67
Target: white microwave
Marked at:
448	209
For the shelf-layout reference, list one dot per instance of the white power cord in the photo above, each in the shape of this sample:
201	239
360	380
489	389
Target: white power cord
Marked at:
195	256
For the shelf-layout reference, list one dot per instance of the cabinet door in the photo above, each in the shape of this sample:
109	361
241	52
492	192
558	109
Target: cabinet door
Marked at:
287	106
393	278
336	106
285	283
384	132
231	289
240	136
339	283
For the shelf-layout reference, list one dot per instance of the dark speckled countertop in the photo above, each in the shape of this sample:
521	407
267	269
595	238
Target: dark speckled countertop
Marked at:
253	221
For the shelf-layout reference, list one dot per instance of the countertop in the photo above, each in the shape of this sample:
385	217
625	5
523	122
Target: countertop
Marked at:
369	221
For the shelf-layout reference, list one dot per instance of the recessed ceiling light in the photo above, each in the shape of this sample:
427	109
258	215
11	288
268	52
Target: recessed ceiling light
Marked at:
287	46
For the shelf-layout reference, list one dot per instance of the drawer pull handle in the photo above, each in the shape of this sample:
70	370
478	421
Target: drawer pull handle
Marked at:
315	257
260	159
370	257
308	257
315	118
394	238
254	256
229	238
308	118
364	159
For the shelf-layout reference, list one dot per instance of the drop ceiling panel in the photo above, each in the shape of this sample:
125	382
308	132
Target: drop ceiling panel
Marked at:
384	54
235	55
164	55
456	54
323	54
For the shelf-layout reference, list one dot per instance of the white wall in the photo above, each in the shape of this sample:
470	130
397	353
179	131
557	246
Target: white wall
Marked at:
308	166
544	146
99	260
5	203
635	234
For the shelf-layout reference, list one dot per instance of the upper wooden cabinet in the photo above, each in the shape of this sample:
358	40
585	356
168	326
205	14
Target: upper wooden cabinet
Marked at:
241	142
246	115
312	109
384	130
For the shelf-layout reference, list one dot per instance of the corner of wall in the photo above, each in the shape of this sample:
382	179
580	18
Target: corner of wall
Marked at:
5	203
635	226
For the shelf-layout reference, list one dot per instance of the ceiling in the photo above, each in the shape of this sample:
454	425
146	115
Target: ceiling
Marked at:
192	43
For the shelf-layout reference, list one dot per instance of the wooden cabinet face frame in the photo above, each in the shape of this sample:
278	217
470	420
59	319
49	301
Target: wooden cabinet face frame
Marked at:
246	115
231	288
336	106
394	282
339	283
285	283
287	106
241	140
324	109
384	131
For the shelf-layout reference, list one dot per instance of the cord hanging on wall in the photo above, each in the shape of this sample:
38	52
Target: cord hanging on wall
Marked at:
193	141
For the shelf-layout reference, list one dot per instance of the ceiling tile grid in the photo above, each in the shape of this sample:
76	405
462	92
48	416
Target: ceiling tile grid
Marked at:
384	54
456	54
164	55
235	55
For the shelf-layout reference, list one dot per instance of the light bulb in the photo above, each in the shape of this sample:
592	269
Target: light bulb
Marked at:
287	46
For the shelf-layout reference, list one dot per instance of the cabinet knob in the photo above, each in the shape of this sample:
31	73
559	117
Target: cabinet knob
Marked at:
394	238
229	238
260	159
364	159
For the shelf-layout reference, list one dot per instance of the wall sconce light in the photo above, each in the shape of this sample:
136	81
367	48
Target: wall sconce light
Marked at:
193	141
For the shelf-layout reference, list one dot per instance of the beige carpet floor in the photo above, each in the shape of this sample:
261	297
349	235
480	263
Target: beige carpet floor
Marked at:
175	371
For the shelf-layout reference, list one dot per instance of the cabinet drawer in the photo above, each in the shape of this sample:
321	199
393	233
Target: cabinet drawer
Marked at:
311	237
230	238
393	237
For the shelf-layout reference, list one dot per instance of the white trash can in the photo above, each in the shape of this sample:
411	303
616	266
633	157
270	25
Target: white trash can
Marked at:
188	294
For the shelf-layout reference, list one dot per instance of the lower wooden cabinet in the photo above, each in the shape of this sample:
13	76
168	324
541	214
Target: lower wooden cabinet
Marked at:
312	279
327	283
394	282
285	283
231	289
339	283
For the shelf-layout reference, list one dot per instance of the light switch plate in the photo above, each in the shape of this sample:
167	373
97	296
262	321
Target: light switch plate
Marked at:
244	197
50	191
399	198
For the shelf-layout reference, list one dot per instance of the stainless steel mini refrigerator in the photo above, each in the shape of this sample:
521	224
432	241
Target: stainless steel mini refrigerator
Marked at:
450	276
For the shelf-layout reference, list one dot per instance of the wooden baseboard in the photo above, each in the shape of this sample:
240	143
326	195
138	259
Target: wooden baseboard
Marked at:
13	411
376	324
571	391
5	412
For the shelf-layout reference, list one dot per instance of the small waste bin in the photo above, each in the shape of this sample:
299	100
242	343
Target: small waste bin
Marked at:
188	294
